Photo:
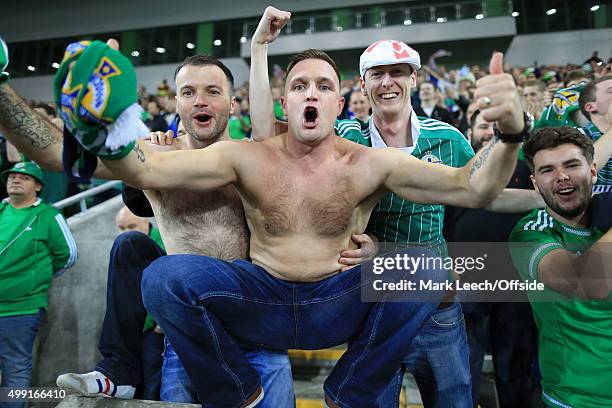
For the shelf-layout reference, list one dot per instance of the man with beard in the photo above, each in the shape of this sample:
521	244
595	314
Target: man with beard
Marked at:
566	247
205	223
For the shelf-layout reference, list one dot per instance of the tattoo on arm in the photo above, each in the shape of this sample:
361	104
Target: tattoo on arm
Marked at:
139	153
483	156
16	116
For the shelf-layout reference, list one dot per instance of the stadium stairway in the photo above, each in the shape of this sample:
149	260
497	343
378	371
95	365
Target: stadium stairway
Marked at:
311	367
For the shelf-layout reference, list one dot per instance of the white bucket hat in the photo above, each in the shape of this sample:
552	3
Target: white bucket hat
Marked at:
388	52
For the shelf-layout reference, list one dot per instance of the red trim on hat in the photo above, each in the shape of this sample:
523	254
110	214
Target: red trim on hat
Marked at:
398	47
371	47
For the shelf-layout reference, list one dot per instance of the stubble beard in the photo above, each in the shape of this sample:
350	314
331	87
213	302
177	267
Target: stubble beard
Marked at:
585	198
216	134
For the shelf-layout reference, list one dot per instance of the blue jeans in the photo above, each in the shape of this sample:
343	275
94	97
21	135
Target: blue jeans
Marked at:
439	361
272	366
17	335
208	308
130	357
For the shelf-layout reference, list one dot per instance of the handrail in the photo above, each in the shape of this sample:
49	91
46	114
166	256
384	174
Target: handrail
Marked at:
80	197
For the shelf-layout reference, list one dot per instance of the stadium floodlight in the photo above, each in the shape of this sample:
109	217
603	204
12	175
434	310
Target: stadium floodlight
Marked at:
55	65
31	68
407	22
135	53
217	42
243	39
441	20
190	45
479	16
551	11
595	7
515	14
160	50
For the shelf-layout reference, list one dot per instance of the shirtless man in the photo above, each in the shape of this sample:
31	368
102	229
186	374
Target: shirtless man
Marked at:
206	223
304	194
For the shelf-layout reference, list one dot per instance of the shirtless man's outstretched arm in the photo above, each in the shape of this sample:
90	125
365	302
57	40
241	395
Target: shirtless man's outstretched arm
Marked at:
34	135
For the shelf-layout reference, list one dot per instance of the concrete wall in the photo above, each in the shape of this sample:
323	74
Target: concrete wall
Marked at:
26	20
77	299
560	47
40	88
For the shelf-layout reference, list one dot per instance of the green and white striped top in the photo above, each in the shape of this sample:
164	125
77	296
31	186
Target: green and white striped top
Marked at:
395	219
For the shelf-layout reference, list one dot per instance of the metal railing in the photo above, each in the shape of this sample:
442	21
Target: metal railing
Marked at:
382	16
84	195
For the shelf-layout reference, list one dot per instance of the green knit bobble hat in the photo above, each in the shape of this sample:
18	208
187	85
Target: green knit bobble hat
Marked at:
96	92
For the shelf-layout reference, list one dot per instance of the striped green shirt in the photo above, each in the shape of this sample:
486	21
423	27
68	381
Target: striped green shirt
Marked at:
604	174
395	219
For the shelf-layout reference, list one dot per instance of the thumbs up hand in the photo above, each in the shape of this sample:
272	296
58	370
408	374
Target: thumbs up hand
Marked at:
498	99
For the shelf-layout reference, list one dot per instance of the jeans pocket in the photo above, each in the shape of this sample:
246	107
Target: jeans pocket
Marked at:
448	318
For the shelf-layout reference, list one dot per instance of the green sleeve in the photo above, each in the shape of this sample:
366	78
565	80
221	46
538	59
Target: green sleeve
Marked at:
62	246
528	247
464	154
352	130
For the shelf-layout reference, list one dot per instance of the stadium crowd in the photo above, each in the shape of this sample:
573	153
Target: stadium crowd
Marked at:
557	204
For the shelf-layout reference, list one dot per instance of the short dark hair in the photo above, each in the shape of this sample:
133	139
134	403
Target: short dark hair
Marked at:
203	60
576	74
156	101
551	137
588	94
473	119
312	54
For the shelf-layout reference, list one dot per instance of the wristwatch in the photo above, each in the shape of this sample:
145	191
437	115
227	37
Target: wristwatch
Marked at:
518	137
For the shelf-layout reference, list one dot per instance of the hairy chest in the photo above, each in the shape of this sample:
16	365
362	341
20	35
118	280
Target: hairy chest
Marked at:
193	217
324	206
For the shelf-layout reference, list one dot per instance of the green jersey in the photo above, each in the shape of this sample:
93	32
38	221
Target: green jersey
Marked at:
575	337
235	127
604	175
35	246
395	219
